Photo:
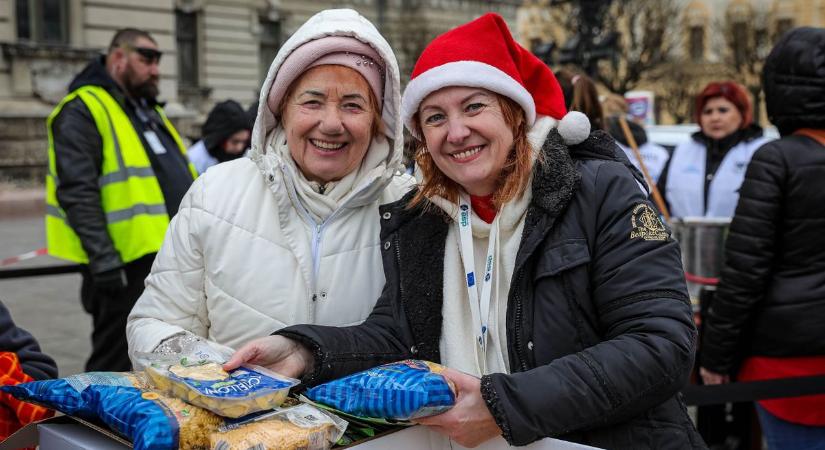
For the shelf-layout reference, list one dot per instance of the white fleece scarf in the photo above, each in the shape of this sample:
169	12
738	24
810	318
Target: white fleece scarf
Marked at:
336	193
457	330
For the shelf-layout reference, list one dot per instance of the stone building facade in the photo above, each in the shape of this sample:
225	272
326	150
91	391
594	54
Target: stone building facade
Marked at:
715	39
213	50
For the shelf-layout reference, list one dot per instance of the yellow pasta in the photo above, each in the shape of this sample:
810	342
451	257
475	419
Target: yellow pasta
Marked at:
302	427
246	390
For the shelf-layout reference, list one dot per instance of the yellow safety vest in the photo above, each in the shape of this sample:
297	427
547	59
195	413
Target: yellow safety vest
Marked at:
131	197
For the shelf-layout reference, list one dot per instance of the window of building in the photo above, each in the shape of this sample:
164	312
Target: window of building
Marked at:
187	39
783	26
44	21
697	43
269	44
740	43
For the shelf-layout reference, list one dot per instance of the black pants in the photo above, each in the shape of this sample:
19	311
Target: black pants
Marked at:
109	309
724	426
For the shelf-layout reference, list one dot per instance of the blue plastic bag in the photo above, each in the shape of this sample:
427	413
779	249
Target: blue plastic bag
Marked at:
65	394
151	420
402	390
123	401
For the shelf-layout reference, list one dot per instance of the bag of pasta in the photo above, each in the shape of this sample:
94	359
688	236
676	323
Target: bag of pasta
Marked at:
151	420
402	390
66	394
124	402
245	390
301	427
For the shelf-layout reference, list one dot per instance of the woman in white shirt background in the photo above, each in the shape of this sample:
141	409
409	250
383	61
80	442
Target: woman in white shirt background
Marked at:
703	176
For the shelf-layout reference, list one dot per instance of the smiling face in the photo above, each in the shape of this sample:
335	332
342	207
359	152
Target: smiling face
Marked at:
467	136
328	116
720	118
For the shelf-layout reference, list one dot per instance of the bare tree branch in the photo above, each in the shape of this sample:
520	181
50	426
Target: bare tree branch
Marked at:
649	32
748	40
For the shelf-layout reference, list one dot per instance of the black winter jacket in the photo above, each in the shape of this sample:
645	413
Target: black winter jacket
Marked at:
79	160
771	299
600	335
34	362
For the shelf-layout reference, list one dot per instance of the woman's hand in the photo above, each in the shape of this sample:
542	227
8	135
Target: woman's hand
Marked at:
469	422
711	378
277	353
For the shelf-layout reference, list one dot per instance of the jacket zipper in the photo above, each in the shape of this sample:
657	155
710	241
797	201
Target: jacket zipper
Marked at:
398	261
413	350
517	328
317	234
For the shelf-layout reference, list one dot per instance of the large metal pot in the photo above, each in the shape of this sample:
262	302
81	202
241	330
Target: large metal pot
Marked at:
702	240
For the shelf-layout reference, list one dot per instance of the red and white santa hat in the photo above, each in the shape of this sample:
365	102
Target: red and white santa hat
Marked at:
483	54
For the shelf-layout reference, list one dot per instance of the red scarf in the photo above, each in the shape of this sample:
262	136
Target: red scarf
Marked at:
483	207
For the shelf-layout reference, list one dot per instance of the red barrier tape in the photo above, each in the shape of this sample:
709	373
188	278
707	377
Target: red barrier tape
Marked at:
23	257
707	281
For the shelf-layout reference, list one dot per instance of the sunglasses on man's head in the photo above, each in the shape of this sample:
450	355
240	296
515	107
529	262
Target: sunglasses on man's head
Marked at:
153	55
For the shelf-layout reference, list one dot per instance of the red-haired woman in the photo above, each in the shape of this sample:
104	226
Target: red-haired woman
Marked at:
528	262
703	176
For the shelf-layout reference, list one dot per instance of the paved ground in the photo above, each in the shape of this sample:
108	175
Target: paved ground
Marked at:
48	307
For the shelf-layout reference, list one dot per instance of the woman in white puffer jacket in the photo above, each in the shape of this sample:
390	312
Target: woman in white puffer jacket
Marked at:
291	234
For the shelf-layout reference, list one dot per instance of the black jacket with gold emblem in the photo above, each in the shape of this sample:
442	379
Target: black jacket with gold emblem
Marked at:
599	331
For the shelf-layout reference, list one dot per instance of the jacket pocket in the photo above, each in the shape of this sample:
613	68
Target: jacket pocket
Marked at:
562	316
562	256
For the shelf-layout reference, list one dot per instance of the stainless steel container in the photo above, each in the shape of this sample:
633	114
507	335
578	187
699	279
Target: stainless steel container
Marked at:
702	240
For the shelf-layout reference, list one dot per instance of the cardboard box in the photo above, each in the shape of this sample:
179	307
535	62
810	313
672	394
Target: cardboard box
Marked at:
74	436
71	433
422	438
65	433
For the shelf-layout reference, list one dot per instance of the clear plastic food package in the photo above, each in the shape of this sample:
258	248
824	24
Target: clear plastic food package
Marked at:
245	390
301	427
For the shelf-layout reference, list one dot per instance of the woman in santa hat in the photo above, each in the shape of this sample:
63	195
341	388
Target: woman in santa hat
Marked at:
528	261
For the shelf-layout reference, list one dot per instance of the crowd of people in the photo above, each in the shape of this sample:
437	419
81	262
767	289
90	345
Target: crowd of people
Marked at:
526	251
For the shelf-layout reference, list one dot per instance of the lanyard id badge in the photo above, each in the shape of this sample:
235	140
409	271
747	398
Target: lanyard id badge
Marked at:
154	142
479	307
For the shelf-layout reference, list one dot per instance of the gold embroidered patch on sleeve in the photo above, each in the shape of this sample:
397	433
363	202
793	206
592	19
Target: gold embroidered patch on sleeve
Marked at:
647	224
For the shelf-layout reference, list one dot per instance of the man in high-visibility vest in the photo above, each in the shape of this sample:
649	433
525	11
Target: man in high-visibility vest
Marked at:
117	173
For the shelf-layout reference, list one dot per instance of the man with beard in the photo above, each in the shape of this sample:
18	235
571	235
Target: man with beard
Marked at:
117	173
226	134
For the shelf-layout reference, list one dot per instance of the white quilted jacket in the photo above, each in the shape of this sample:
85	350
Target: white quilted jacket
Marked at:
240	260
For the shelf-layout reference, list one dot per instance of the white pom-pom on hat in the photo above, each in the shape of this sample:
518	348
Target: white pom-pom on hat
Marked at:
574	128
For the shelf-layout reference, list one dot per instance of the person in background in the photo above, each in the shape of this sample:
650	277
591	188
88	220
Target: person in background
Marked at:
703	175
767	318
654	156
225	136
117	173
528	262
291	233
580	94
21	361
